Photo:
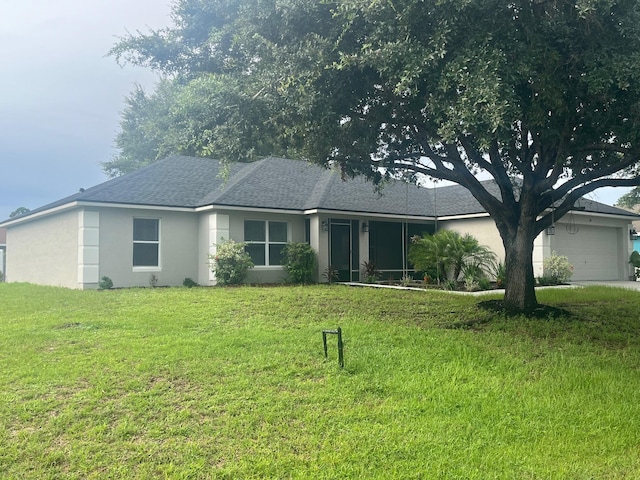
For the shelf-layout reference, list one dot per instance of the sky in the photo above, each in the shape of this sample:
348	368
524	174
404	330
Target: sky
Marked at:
61	96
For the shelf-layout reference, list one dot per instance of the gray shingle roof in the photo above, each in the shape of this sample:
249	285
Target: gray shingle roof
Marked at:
283	184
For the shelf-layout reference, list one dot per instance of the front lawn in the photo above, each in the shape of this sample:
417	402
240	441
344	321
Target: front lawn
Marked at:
233	383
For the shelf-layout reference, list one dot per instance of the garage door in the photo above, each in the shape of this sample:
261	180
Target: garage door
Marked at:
593	251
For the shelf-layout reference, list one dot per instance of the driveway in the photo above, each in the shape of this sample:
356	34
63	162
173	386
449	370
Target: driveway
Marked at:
619	284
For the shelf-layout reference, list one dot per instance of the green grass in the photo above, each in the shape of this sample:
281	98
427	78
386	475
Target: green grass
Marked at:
233	383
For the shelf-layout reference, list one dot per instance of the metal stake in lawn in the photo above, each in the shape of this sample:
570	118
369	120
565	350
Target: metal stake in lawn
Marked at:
340	344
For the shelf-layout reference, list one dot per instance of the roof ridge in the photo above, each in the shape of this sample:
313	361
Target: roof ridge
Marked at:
321	189
234	179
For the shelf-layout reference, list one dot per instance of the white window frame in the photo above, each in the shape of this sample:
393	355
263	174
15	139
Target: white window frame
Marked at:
267	242
147	268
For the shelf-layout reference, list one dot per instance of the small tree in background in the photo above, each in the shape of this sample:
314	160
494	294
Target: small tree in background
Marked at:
299	262
231	263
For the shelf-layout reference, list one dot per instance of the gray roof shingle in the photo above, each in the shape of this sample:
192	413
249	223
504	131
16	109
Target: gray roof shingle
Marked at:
277	183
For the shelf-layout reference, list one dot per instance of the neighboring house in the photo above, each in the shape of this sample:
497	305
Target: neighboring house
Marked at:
165	220
3	249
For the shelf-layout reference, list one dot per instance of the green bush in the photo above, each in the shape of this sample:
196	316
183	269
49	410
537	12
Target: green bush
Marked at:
231	263
500	272
299	262
635	261
189	283
370	273
557	268
330	274
105	283
447	253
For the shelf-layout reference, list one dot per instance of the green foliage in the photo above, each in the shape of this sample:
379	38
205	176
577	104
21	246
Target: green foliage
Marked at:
189	283
500	274
450	285
370	272
330	274
634	260
449	253
630	200
300	262
105	283
231	263
557	269
19	211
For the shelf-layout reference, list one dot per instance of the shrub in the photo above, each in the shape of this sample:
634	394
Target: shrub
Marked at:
189	283
299	262
448	253
500	272
546	281
105	283
450	285
370	272
484	284
634	260
330	274
406	280
231	263
557	268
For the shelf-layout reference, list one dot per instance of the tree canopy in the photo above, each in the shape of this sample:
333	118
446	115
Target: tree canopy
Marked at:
541	95
630	200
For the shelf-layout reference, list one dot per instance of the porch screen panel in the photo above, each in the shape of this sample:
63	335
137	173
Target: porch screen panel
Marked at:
385	245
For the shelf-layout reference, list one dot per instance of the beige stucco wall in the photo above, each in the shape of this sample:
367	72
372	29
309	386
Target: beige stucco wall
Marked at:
178	247
44	251
483	229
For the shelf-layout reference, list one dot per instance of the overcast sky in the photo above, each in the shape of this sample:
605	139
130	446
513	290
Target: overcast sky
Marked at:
61	96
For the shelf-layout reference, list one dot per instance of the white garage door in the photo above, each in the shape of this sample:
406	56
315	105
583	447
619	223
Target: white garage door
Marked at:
593	251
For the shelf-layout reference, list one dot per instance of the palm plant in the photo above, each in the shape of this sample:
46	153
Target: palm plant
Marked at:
449	252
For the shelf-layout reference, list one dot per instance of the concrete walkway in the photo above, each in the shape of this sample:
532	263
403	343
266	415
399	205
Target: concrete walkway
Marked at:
620	284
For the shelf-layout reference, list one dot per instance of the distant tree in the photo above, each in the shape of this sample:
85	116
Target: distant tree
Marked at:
630	200
540	95
19	211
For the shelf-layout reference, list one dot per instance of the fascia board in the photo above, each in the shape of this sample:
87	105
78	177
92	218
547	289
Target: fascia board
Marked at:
464	217
321	211
44	213
248	209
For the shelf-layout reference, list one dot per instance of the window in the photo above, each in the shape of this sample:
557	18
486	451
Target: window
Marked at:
146	242
265	241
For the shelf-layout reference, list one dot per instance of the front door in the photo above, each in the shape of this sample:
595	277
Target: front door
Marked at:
340	256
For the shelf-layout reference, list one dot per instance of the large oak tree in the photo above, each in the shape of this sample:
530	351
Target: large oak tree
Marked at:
542	95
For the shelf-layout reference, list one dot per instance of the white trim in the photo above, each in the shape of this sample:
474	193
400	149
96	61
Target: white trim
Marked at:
76	204
148	268
131	206
249	209
464	217
33	216
350	214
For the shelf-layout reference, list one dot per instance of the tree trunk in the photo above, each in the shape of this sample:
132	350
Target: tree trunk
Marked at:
520	294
